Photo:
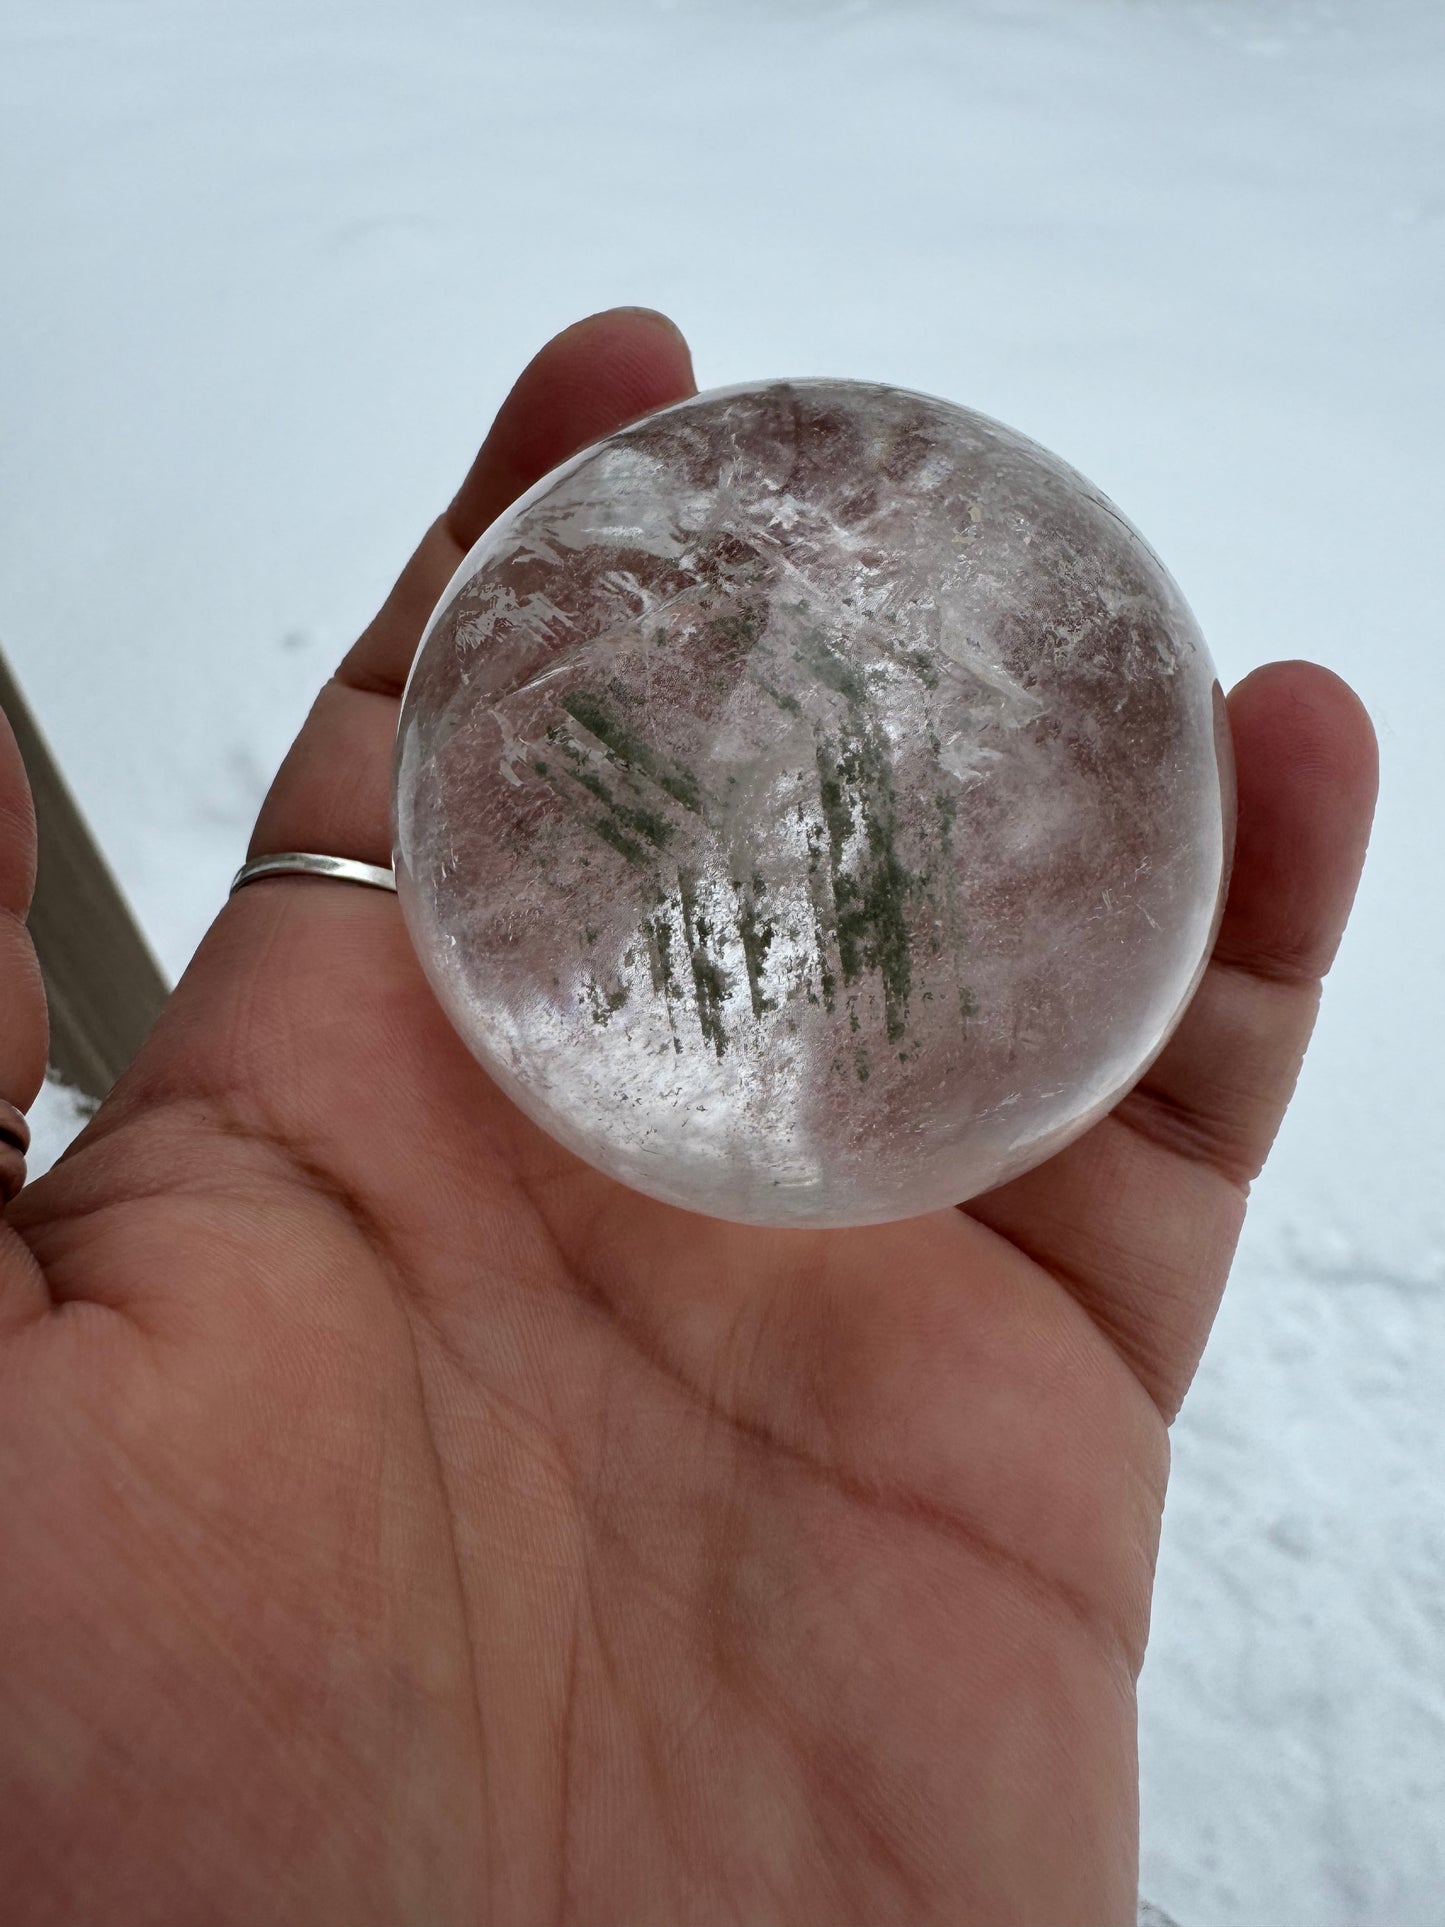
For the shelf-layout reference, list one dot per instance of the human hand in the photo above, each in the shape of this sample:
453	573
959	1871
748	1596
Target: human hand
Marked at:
399	1521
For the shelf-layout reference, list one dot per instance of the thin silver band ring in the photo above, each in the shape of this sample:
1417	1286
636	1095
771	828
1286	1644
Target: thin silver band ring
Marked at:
303	863
14	1143
14	1127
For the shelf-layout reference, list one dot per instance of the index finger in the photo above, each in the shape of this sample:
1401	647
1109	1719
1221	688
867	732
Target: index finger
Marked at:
332	793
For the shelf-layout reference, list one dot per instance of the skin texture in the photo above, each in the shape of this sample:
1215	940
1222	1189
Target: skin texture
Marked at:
400	1522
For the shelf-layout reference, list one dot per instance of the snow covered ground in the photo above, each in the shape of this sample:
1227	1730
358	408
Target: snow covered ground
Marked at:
266	270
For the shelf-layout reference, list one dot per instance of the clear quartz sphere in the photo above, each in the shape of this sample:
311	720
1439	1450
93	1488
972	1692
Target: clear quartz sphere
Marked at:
813	803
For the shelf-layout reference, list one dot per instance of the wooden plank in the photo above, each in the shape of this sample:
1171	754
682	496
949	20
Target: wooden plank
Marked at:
104	986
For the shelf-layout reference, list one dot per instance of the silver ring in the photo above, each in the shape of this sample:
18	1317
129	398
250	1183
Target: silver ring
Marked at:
303	863
13	1126
14	1143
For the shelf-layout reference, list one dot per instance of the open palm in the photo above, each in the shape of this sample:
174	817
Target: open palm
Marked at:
401	1522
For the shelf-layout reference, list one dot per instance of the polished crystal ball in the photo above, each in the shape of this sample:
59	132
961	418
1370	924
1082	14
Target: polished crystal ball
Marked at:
813	803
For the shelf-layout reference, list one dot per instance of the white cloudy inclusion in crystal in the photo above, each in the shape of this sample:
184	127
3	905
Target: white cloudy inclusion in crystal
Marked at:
813	803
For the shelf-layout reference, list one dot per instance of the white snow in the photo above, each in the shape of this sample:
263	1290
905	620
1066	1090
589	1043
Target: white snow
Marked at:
56	1117
265	272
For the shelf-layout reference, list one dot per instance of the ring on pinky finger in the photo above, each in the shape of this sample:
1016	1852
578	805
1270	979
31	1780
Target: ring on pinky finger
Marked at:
14	1143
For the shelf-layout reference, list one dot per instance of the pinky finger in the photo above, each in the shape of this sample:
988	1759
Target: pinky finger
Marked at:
23	1030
